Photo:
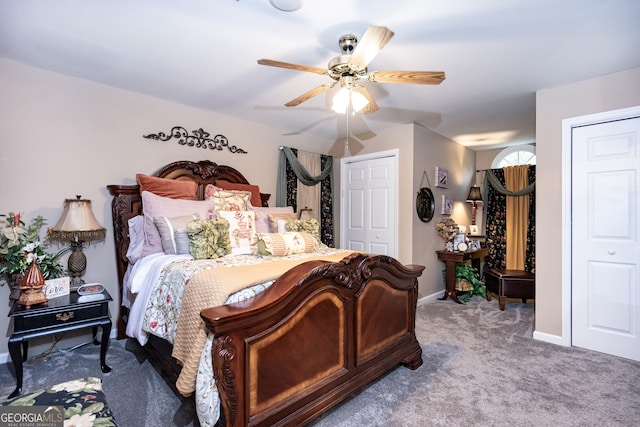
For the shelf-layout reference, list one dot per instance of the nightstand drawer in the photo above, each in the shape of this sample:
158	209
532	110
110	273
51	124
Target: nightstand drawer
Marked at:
56	319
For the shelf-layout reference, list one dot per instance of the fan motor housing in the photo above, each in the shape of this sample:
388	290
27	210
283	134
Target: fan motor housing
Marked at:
339	66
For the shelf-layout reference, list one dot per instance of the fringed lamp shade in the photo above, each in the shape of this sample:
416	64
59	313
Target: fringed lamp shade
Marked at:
77	225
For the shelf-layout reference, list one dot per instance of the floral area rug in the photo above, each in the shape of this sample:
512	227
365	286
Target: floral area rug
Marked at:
82	400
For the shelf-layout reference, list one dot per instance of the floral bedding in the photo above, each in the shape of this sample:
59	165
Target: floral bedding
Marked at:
163	308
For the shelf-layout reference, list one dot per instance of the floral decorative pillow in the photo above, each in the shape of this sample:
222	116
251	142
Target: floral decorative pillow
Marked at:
311	226
209	238
242	230
227	200
256	200
282	244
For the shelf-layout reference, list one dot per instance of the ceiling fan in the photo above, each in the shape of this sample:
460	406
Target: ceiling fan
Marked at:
349	67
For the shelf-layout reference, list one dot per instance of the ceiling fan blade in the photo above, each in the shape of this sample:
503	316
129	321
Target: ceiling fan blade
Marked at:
368	47
290	66
307	95
372	106
412	77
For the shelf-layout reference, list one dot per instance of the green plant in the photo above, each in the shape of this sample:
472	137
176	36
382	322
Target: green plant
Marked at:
20	244
465	271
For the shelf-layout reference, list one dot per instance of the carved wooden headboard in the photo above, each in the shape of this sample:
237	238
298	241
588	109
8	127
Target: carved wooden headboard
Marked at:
127	203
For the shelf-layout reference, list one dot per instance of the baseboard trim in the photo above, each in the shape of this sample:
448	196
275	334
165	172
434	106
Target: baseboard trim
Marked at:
4	357
553	339
429	298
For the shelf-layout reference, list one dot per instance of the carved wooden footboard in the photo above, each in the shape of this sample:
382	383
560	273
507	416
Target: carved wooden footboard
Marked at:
322	331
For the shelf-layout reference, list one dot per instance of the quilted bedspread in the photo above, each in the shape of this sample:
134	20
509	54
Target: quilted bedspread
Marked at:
211	288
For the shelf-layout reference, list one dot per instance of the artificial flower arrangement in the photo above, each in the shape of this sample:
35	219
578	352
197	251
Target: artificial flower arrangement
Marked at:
20	245
447	229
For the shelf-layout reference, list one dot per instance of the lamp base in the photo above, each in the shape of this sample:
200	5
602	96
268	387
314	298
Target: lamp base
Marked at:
77	263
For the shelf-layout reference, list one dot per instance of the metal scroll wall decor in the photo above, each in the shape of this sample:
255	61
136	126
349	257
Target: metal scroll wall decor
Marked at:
199	139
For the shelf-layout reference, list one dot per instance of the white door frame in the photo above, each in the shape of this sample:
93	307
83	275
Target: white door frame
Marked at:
395	153
567	126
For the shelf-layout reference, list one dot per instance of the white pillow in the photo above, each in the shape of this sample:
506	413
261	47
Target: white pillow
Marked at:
157	206
136	238
242	231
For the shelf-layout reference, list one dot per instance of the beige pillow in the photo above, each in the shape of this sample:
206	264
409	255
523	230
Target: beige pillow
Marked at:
275	217
282	244
262	216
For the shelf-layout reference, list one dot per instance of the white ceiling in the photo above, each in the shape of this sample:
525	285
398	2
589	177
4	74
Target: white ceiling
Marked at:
496	54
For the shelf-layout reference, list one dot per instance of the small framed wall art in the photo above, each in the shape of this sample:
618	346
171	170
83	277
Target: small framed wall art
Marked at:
442	177
447	205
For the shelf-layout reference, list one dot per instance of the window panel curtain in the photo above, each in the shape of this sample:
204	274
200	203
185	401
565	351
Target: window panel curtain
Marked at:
292	172
515	179
497	191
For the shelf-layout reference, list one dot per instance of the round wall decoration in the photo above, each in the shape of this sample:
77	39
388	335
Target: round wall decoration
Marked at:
425	205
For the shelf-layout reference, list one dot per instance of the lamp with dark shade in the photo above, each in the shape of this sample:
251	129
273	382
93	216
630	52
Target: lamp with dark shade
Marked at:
474	197
77	225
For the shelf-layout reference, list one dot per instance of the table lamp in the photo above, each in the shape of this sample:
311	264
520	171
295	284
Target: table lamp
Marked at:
474	197
77	225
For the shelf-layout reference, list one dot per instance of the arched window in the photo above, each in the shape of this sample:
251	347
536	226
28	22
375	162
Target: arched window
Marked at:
512	156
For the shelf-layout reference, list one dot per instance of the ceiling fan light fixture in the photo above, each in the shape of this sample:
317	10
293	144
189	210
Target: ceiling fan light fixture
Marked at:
341	101
344	96
286	5
358	101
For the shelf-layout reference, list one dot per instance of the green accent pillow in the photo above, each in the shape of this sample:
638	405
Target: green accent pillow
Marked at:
209	238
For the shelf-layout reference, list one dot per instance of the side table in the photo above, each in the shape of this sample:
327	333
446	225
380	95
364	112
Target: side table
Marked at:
61	314
451	259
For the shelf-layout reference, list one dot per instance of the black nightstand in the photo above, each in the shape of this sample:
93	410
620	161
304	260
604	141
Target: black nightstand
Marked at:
62	314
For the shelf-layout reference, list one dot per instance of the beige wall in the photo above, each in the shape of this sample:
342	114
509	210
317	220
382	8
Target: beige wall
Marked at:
421	149
431	150
63	136
610	92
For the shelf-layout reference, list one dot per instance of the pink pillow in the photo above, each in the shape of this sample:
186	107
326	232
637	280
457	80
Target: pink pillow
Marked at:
157	206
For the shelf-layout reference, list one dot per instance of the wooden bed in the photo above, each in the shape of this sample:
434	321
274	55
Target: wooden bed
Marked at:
321	332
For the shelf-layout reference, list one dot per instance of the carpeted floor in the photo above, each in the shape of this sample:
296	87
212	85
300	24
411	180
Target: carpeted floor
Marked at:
481	367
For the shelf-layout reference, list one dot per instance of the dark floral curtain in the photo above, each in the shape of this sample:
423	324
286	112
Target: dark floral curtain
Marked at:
326	199
496	225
